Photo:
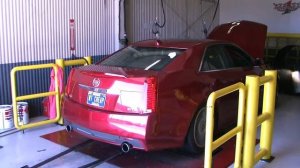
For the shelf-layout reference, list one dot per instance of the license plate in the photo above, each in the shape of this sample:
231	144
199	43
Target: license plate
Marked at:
96	99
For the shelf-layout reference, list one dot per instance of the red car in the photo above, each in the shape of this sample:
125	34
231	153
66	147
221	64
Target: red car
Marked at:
152	94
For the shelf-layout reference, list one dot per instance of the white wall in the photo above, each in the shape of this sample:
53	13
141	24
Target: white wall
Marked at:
184	18
39	29
261	11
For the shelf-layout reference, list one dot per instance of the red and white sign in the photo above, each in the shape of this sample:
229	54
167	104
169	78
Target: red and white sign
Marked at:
72	35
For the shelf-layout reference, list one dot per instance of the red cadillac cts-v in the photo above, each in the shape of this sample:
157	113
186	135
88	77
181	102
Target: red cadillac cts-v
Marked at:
152	94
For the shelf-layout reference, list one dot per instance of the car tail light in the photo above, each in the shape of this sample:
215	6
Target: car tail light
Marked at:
151	94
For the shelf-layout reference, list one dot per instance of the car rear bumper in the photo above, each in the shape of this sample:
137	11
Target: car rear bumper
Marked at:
105	137
113	128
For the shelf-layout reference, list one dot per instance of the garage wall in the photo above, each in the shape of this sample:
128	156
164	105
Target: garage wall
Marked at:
37	31
184	19
261	11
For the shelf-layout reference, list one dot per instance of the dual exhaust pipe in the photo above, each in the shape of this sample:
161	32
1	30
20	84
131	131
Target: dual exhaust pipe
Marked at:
125	146
69	128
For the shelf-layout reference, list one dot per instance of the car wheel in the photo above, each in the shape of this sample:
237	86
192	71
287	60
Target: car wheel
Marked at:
195	140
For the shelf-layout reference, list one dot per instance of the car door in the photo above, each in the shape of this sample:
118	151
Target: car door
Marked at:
239	65
217	66
240	61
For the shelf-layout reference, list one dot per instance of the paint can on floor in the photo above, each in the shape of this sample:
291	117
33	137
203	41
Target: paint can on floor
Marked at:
23	114
6	117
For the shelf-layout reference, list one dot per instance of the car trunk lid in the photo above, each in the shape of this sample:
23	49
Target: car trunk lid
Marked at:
113	88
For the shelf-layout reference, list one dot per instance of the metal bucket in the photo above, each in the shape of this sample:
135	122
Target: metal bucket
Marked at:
23	114
6	117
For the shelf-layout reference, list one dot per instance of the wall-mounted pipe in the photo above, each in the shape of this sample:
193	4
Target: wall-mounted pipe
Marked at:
122	19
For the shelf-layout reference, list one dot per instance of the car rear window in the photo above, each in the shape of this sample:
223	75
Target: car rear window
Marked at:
147	58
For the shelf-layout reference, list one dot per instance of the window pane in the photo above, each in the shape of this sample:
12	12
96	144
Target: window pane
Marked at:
213	59
146	58
238	57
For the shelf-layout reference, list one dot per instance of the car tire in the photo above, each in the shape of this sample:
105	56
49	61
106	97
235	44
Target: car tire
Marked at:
195	140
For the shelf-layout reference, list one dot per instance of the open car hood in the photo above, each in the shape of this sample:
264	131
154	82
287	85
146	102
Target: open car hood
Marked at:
250	36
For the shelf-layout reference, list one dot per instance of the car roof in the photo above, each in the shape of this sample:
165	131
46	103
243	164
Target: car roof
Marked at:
184	44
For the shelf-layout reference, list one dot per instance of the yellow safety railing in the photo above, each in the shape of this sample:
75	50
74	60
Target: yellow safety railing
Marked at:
63	63
245	155
266	118
16	98
211	145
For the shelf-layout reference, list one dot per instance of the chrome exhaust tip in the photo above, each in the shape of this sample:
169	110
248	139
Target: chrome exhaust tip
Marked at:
126	147
69	128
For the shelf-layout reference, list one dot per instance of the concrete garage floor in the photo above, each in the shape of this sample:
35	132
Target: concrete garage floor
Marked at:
35	146
286	141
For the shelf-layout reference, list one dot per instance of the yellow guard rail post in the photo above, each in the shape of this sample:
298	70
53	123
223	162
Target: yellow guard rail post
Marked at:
16	98
63	63
266	118
211	145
